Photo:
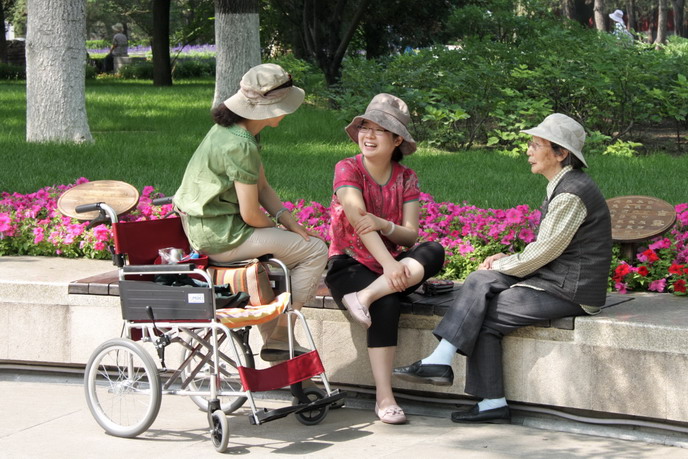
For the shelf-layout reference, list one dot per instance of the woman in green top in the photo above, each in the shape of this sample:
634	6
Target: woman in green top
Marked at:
224	188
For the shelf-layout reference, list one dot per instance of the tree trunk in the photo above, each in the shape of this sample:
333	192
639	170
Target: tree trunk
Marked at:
3	40
630	16
600	20
678	6
568	8
237	44
55	72
327	35
662	19
162	69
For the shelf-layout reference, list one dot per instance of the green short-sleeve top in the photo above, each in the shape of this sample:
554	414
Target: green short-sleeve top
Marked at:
207	197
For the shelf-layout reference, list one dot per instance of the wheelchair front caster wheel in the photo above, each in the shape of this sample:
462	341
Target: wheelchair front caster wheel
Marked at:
313	416
219	431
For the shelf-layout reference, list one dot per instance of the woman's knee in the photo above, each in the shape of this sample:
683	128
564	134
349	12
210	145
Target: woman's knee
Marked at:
317	251
481	276
430	255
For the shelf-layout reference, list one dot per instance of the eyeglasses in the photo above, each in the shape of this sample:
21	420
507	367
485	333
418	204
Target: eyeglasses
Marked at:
366	129
535	145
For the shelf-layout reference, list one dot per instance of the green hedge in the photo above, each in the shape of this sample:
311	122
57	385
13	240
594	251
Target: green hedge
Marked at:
12	72
487	90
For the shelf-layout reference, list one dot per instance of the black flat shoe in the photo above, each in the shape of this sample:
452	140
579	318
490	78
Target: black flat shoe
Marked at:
495	416
438	375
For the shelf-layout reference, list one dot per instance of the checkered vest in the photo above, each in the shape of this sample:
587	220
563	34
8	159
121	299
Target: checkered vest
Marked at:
580	273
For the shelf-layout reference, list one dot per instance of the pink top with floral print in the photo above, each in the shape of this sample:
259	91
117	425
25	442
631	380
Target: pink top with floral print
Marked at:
385	201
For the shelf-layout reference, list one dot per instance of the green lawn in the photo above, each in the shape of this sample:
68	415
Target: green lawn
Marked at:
145	135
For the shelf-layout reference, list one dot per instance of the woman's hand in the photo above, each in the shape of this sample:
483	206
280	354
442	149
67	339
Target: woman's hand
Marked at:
301	231
369	223
397	275
487	263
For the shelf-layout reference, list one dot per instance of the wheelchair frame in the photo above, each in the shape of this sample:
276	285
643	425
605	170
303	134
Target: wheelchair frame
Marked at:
122	381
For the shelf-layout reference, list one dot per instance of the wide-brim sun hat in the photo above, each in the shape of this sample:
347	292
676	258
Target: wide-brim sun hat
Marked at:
392	114
617	16
564	131
265	91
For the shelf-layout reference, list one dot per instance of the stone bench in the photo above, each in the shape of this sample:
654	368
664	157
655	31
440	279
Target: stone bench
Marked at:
630	360
414	304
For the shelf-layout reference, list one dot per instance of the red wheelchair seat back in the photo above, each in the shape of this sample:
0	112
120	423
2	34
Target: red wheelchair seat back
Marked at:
141	240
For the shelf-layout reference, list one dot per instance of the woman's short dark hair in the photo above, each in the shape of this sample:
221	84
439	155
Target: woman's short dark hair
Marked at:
397	155
225	117
571	160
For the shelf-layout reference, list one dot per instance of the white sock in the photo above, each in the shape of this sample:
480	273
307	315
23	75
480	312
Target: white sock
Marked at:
442	355
491	403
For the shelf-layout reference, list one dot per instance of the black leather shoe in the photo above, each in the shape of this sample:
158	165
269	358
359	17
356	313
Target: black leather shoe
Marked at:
438	375
495	416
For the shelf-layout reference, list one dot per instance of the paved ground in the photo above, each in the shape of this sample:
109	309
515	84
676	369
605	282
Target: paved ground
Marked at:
48	417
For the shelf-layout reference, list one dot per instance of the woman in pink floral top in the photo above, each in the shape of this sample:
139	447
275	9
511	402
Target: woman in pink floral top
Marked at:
375	214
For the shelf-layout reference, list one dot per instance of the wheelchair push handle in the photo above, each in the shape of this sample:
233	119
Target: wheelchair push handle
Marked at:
106	212
162	201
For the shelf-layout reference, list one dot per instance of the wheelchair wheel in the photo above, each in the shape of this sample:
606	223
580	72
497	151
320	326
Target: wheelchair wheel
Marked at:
228	367
122	387
219	431
316	415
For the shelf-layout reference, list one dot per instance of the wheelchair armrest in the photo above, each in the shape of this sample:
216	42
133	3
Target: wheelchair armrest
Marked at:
240	263
179	268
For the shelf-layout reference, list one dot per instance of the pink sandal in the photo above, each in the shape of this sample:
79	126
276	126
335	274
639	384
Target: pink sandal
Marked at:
357	310
393	414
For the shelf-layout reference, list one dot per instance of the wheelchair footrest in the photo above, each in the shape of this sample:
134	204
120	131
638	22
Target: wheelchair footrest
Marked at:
315	404
266	415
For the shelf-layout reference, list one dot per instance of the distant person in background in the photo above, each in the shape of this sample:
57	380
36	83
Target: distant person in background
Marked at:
120	47
620	31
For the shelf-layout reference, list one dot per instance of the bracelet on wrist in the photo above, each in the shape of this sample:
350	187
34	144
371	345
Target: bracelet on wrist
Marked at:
279	213
391	230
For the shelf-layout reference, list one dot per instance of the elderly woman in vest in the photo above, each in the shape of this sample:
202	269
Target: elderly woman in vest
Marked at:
562	273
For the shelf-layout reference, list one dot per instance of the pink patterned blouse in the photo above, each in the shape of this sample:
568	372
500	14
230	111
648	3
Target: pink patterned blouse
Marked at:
385	201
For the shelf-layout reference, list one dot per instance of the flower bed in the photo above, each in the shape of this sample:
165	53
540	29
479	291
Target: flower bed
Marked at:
31	225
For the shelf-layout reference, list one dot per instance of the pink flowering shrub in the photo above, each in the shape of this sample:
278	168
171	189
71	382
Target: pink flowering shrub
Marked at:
660	266
469	234
31	225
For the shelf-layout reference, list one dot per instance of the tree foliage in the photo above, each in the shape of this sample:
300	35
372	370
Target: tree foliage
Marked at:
322	32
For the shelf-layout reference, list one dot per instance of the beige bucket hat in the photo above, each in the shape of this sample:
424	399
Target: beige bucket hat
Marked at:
391	113
118	27
617	16
265	91
564	131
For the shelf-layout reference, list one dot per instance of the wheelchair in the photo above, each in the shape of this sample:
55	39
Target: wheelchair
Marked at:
124	383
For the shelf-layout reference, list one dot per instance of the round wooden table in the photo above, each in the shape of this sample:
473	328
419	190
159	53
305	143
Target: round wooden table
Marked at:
121	196
639	218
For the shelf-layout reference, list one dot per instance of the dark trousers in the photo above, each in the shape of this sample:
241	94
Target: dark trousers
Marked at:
109	63
346	275
487	310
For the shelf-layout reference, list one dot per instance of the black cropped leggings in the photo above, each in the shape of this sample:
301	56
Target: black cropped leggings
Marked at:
346	275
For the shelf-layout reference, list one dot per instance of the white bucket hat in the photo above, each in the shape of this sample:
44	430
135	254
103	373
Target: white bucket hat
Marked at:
617	16
564	131
266	91
391	113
